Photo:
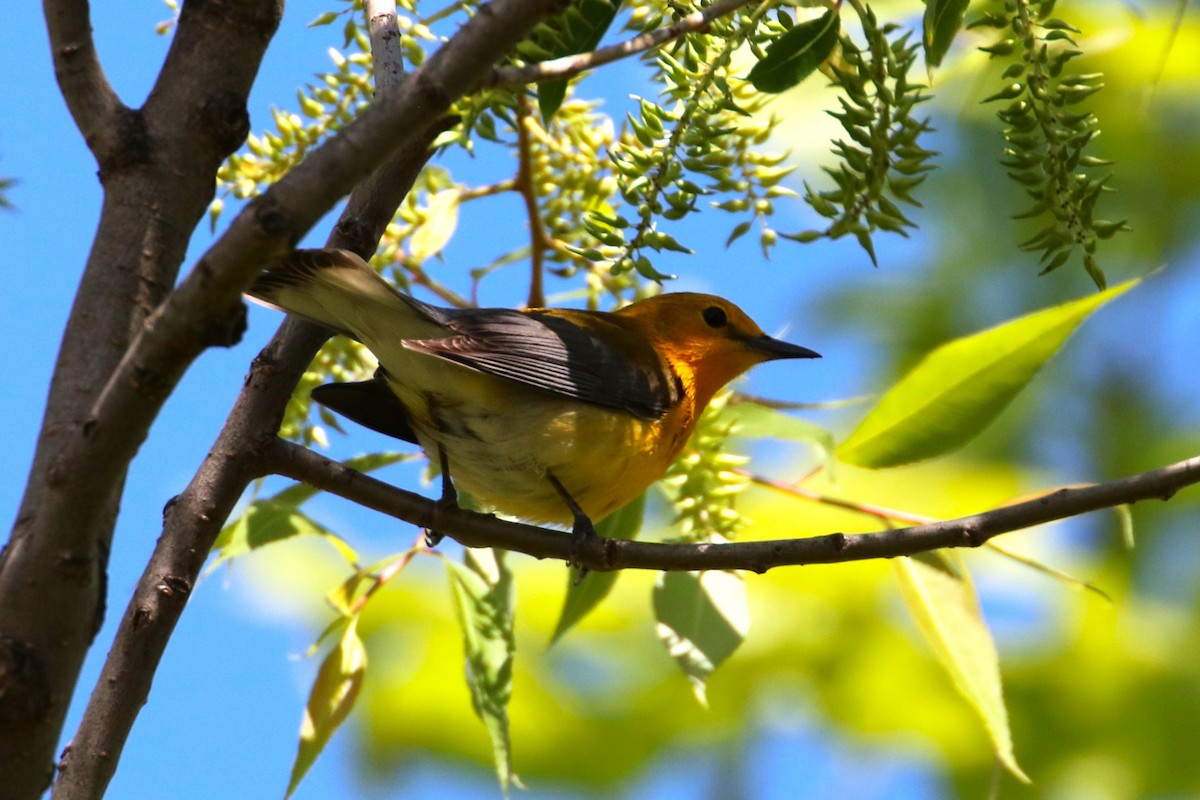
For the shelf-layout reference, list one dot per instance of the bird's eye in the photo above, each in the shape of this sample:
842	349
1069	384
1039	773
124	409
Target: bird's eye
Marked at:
715	317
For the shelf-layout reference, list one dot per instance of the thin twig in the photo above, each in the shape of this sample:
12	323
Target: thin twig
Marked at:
527	187
419	277
791	405
93	103
570	66
869	509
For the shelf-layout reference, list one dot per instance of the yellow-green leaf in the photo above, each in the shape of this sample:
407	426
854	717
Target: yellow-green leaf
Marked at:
941	598
959	388
441	220
702	619
267	521
483	601
585	595
1046	569
756	421
329	703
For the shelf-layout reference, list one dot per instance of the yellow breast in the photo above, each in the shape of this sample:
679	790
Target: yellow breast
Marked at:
501	440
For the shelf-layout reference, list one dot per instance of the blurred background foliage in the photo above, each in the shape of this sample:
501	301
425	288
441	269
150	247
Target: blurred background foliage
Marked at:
1104	698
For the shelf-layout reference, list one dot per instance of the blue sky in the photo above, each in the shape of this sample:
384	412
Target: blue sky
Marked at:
223	716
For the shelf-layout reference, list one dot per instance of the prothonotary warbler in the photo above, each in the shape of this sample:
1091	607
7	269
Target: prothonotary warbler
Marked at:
548	415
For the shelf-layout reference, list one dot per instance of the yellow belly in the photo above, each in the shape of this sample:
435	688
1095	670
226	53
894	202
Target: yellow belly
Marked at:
501	440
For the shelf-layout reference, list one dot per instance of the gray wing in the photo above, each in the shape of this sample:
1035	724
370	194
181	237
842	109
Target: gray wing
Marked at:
555	355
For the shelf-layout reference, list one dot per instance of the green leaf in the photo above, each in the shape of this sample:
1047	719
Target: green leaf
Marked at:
702	619
943	19
323	19
756	421
483	602
941	598
582	597
1046	569
1124	514
329	703
739	231
589	20
267	521
793	56
959	388
441	220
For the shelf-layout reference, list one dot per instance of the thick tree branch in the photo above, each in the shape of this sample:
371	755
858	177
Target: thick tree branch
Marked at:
205	302
93	103
157	181
193	519
569	66
107	390
481	530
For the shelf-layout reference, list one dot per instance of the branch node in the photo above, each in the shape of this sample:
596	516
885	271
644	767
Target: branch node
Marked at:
225	120
131	148
272	220
226	329
973	536
24	687
174	586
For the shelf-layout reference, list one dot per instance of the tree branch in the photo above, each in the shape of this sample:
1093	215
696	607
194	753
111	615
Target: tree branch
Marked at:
526	186
93	103
199	313
570	66
482	530
194	518
157	181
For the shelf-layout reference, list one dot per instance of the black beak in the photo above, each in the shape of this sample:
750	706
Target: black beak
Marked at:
775	348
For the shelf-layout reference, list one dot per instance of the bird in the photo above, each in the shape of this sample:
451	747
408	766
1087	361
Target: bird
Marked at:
552	416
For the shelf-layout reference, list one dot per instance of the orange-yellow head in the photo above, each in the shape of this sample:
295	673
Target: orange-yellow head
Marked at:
707	339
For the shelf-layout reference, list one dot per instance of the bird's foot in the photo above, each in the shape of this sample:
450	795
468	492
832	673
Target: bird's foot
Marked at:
581	531
433	537
448	500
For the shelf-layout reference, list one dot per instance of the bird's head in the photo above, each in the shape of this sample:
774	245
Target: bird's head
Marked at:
707	338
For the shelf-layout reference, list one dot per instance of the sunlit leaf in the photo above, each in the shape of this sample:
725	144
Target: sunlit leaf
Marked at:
323	19
755	421
943	19
1125	516
796	54
441	220
329	703
267	521
959	388
483	602
585	595
941	598
702	619
1046	569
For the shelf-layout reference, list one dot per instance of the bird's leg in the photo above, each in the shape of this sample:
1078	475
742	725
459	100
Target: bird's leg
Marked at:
582	529
449	498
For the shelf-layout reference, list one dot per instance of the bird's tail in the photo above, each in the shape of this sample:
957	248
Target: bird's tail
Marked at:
338	289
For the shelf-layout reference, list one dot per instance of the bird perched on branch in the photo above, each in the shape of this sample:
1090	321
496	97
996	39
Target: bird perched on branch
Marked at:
548	415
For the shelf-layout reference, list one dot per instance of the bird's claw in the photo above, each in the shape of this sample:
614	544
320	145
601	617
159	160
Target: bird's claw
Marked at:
433	537
580	533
